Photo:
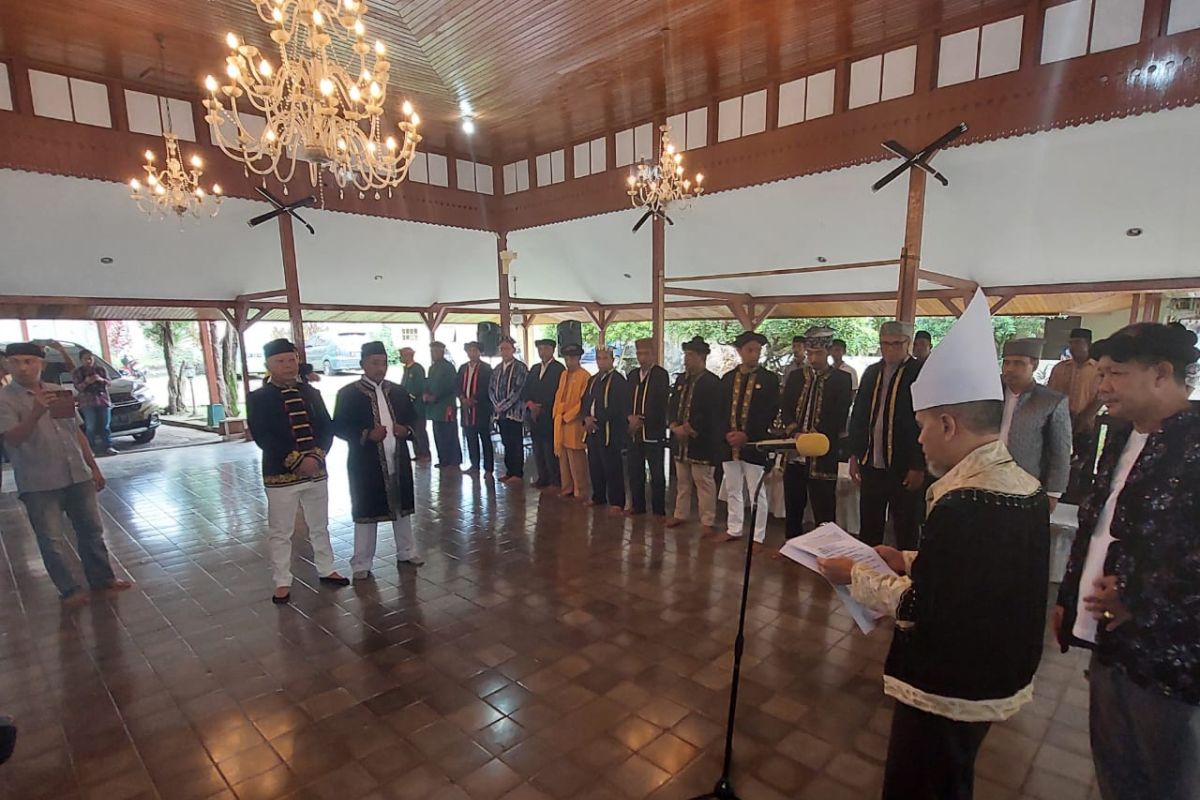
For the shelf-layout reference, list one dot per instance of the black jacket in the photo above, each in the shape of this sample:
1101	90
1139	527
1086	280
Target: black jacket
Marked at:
479	415
541	389
698	402
610	395
902	451
288	424
649	399
749	404
374	498
817	403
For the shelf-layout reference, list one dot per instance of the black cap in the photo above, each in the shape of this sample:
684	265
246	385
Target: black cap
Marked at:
373	349
469	345
277	346
1081	333
508	340
923	335
745	337
545	343
1149	342
25	349
697	345
436	343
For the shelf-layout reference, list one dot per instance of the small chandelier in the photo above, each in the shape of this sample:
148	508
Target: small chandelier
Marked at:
174	190
654	186
316	109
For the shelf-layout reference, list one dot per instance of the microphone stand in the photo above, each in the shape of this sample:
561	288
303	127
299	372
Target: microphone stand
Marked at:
723	790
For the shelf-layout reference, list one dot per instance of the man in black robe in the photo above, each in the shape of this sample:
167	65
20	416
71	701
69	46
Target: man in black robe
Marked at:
649	385
605	409
376	417
474	378
289	423
540	388
695	422
750	401
816	399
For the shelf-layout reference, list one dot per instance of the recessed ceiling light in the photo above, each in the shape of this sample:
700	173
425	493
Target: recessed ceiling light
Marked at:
1133	232
468	126
106	259
821	259
378	277
627	275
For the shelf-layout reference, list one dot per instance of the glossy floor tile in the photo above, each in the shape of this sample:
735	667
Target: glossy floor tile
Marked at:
546	650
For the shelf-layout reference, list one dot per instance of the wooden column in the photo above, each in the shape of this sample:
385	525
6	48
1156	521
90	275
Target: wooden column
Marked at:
910	256
239	323
1152	307
105	349
658	268
291	281
527	337
503	263
210	362
24	330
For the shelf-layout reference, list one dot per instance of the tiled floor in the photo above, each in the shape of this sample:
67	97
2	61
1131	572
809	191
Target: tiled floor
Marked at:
545	651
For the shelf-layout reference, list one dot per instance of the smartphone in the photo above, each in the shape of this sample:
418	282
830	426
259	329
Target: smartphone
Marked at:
63	404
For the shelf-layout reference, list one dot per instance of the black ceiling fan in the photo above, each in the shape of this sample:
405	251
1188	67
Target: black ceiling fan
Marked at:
283	208
920	159
653	211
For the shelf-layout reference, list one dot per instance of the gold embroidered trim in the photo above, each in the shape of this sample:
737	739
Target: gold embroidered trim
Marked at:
957	708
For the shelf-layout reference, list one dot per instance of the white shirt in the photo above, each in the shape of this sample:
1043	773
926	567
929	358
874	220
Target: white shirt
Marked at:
1010	408
1093	565
852	372
385	419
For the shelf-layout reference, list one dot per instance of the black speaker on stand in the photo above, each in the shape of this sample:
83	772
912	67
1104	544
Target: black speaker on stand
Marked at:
488	336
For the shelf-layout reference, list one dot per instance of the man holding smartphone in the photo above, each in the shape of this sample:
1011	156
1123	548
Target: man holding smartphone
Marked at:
55	471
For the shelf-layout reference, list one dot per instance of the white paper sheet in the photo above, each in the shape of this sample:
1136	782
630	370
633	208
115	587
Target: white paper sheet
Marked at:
830	541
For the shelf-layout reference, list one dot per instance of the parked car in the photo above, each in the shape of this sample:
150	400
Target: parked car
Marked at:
336	352
134	411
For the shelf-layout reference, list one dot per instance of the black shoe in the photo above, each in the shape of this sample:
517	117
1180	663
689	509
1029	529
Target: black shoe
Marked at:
281	601
332	580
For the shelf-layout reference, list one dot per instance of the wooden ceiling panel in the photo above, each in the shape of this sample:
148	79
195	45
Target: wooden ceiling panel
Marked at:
538	74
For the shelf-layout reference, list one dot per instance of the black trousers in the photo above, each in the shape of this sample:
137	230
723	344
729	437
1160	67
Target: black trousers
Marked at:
638	456
931	757
445	436
607	473
799	489
512	436
544	458
479	438
882	494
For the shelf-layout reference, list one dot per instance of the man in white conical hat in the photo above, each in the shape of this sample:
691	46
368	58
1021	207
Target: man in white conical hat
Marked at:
970	607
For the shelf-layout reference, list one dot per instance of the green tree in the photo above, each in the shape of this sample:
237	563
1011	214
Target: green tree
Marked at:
169	336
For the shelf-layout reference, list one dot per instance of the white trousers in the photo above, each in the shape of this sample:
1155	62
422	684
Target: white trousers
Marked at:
740	480
366	537
282	503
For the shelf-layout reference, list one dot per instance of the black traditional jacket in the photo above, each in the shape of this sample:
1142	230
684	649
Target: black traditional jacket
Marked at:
475	387
902	452
749	403
541	388
817	403
649	399
697	400
1156	558
379	489
607	399
289	423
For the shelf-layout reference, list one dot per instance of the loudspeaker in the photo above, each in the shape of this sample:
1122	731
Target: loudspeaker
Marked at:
570	332
1056	332
488	336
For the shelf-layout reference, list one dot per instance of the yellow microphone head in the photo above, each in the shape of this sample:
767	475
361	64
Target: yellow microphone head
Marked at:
812	444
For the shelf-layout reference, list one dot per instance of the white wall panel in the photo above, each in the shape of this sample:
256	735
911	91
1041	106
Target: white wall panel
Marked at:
90	101
1065	30
1000	47
544	177
464	175
697	128
791	102
510	178
865	76
623	144
819	102
418	170
645	142
6	101
599	150
1116	23
51	95
182	122
582	160
439	170
142	112
729	119
523	175
484	181
677	127
957	57
583	259
558	167
899	73
1184	15
754	113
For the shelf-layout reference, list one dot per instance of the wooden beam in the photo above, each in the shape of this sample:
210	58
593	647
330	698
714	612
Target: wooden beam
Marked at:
272	294
504	259
658	298
947	280
1135	307
210	361
910	255
951	306
24	330
1001	303
291	281
765	273
105	348
1152	307
709	294
760	315
259	314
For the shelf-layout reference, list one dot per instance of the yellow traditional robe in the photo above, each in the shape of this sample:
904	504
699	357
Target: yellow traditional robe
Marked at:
568	430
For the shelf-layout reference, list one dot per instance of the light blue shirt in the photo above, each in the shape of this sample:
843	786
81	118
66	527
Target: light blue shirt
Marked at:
50	458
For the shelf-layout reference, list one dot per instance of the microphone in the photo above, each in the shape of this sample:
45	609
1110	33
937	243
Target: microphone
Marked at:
805	444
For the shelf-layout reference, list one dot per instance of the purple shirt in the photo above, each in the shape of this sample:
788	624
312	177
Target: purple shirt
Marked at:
94	394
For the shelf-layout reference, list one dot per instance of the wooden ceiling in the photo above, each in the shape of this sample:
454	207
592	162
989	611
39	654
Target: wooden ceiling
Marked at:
538	74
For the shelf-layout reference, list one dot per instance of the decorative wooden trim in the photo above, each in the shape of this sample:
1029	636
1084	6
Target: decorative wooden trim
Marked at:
947	280
951	306
1001	303
764	273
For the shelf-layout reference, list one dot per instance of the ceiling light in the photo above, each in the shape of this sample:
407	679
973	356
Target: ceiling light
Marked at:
468	126
821	259
1133	232
106	259
465	107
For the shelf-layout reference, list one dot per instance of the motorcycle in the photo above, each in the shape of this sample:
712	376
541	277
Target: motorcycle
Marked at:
131	367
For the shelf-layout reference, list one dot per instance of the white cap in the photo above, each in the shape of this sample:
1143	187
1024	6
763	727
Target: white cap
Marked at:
962	368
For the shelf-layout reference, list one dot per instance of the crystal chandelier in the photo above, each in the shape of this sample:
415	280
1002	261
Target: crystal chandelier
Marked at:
316	108
174	190
655	185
